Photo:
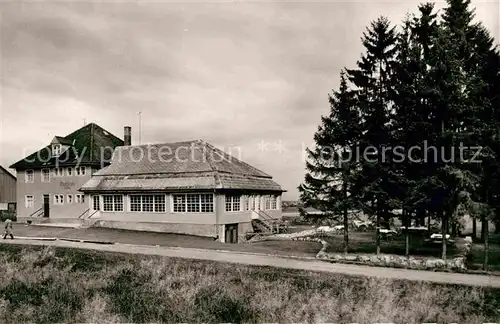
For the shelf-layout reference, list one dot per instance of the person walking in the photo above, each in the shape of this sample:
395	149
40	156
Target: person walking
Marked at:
8	229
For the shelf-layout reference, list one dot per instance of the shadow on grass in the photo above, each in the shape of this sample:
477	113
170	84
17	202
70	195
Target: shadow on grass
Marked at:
477	257
365	243
87	260
13	252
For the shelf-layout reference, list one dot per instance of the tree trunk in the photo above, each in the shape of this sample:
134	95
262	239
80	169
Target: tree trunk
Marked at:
346	220
378	229
486	246
346	233
483	227
444	222
407	235
474	229
444	216
486	232
454	229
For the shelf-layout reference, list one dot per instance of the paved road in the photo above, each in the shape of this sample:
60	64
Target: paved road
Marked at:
282	262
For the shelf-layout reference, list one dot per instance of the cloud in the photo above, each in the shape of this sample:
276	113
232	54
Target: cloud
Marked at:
231	73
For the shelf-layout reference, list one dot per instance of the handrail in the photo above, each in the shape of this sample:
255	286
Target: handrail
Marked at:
84	213
269	218
92	214
273	221
36	211
266	215
266	227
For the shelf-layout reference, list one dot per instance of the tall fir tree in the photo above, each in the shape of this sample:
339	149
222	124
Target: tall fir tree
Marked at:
410	125
327	183
479	121
374	179
483	94
446	81
434	85
402	95
424	31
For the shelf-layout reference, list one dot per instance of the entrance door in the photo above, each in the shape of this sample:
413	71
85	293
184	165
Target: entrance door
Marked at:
235	234
231	233
46	205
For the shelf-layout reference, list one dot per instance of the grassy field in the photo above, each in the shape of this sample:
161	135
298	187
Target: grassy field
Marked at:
364	242
66	285
493	255
289	248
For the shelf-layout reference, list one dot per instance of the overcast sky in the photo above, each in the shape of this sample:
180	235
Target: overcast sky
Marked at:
235	74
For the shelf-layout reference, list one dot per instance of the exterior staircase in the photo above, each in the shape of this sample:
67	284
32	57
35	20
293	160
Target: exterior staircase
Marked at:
260	227
84	220
264	223
34	218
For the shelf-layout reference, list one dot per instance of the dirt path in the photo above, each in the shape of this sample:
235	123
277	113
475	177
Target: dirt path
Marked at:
282	262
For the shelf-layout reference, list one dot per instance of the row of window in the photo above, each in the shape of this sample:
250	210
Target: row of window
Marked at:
112	203
29	200
191	203
57	172
239	203
182	203
69	171
147	203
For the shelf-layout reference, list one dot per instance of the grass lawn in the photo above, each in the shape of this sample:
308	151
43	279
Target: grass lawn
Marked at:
493	255
364	242
47	285
284	248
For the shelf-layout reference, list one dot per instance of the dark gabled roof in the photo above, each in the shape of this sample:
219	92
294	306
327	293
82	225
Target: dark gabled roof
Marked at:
89	145
178	166
7	172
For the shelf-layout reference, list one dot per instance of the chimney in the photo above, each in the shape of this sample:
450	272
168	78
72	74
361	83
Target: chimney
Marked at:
127	136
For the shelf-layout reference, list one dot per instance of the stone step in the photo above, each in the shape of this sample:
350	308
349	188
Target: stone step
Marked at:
33	220
50	220
62	225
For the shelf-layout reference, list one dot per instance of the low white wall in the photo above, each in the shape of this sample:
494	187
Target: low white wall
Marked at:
235	217
207	230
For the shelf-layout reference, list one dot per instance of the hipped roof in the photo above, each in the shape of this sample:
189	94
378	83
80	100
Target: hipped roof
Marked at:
189	165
